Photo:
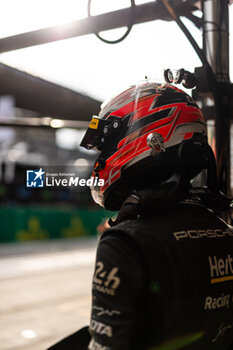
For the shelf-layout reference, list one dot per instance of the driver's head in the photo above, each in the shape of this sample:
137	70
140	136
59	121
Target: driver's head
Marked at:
141	134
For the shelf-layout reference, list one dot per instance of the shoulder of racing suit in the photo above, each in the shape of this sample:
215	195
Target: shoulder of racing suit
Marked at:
163	276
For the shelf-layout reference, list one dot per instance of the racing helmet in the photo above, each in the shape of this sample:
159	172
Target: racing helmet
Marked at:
148	136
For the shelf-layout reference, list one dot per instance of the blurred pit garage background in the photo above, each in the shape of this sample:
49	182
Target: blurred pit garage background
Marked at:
54	75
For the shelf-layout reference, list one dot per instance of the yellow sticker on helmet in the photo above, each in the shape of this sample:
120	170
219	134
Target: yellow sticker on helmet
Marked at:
94	123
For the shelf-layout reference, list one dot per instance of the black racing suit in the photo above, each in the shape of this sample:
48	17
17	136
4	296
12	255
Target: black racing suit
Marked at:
164	281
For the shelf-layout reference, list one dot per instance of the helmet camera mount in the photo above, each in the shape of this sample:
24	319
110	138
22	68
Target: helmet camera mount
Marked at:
188	79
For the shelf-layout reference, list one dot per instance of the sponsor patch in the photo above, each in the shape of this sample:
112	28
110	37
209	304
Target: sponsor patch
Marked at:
212	303
101	311
197	234
96	346
222	330
94	123
101	328
221	269
105	282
